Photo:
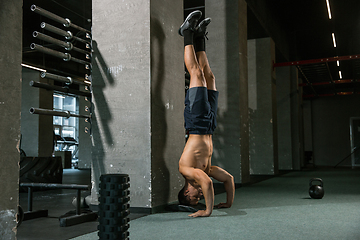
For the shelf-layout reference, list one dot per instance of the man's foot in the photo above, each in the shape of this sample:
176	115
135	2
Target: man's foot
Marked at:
200	30
190	22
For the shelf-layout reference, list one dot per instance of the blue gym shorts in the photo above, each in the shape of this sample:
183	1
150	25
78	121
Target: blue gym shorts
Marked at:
200	110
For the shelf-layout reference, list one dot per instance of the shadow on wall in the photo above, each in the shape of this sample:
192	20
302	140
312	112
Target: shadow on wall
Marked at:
160	172
101	116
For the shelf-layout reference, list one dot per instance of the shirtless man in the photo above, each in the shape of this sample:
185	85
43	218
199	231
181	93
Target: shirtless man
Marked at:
200	122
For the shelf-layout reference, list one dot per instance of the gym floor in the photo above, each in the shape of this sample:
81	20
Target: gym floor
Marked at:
271	208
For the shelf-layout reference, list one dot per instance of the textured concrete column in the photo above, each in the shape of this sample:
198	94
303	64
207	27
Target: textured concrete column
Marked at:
308	129
36	130
296	123
29	122
10	107
45	139
262	104
138	94
226	51
244	94
283	87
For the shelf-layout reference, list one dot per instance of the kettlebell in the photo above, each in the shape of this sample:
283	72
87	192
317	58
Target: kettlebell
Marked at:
316	191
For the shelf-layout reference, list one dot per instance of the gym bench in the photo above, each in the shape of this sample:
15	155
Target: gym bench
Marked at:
68	219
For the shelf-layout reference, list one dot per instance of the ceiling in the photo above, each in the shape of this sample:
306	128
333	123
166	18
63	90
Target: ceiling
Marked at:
310	29
305	23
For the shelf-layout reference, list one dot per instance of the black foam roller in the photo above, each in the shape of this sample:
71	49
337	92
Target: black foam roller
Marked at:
114	206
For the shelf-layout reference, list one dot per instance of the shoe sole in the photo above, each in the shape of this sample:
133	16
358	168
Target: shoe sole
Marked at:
187	19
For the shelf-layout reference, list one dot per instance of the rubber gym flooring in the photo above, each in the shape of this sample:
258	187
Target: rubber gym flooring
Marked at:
276	208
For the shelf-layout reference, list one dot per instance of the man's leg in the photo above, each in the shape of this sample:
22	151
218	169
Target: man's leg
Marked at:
187	30
204	65
199	42
197	78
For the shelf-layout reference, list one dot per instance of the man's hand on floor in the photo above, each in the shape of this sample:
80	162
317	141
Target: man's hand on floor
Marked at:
200	213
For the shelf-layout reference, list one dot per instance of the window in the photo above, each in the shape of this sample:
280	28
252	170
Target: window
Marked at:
66	129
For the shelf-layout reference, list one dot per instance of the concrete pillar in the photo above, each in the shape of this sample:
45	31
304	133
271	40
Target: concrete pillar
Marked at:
262	104
36	130
244	94
10	107
296	123
308	136
138	95
29	122
226	51
283	94
45	139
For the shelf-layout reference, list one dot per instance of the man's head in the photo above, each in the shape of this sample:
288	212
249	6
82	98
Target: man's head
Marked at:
189	195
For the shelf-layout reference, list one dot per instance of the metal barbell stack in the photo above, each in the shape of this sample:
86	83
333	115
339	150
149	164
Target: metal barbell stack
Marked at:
68	36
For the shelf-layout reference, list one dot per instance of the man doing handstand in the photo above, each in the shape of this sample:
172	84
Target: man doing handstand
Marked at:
200	122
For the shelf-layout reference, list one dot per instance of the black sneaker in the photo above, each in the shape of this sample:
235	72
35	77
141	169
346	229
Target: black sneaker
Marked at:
200	30
190	22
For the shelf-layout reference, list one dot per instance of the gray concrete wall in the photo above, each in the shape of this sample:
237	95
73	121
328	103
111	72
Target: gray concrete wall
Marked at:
138	94
262	104
331	128
10	107
226	51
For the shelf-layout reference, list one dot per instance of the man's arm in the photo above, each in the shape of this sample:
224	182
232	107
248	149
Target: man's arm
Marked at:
199	176
228	180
